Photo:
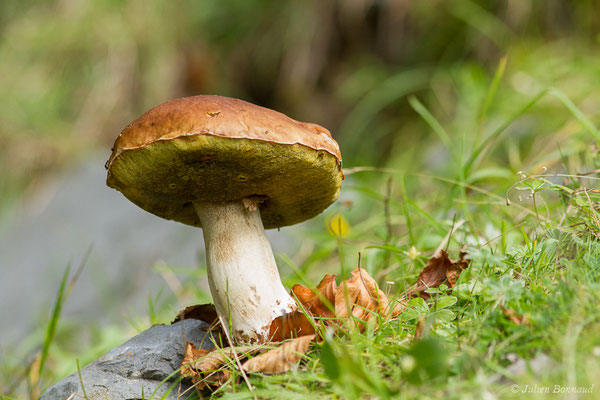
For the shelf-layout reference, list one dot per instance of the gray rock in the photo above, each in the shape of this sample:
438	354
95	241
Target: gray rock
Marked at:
137	366
536	367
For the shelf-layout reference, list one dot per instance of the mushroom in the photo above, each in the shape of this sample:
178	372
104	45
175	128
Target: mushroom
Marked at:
234	169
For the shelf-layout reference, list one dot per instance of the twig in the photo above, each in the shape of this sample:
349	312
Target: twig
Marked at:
593	172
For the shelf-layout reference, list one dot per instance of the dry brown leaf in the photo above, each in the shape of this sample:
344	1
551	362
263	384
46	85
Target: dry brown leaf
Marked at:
202	312
219	357
291	325
191	356
280	359
210	367
214	379
296	323
211	361
439	269
514	317
360	296
399	307
312	300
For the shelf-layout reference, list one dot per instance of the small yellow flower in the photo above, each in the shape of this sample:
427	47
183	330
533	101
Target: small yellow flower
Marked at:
337	226
413	253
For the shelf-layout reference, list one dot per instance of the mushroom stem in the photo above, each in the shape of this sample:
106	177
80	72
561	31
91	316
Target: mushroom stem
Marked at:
242	273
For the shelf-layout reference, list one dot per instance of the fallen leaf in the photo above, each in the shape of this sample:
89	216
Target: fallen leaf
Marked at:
360	297
200	380
512	315
439	269
312	300
399	307
291	325
202	312
317	302
211	367
220	357
191	356
280	359
214	379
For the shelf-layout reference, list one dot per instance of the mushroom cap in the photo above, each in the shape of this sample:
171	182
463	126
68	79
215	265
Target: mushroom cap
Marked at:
219	149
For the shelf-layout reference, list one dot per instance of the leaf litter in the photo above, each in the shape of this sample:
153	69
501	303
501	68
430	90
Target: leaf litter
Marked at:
356	301
439	270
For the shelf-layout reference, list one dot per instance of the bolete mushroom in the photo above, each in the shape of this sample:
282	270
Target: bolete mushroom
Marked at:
230	167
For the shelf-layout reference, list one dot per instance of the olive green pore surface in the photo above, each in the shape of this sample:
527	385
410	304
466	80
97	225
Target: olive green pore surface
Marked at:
165	177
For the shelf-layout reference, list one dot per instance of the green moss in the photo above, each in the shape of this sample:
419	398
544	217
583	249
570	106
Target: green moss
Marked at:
164	178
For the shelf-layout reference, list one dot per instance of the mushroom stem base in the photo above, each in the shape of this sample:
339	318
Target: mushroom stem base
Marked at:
242	273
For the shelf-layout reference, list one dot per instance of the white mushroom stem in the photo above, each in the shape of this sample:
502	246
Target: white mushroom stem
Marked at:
242	274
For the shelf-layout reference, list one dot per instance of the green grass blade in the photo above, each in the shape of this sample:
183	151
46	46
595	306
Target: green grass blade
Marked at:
569	105
152	310
405	200
433	123
482	20
493	89
390	90
85	396
51	329
496	134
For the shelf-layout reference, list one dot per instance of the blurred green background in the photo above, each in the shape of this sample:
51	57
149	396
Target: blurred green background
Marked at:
416	86
73	73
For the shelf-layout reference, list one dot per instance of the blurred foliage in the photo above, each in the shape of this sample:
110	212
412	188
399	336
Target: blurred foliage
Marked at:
74	73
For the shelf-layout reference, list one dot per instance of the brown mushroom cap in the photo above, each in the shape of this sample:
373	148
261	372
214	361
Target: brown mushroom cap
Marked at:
218	149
